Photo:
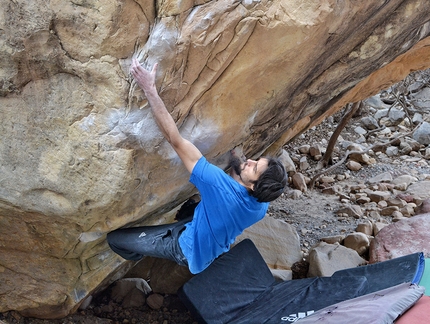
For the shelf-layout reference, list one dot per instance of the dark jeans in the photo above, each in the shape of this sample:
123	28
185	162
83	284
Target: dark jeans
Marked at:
157	241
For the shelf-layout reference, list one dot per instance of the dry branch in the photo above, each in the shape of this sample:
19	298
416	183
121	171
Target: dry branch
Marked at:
333	139
348	153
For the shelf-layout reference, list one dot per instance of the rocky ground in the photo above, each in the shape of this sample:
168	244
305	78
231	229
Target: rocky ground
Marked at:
313	213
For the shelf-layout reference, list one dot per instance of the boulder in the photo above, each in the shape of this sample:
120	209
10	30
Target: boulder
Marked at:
303	163
316	151
377	196
404	179
392	151
391	240
357	241
353	165
130	292
387	211
166	277
365	228
81	154
360	158
383	177
398	202
422	134
398	216
277	241
299	182
294	194
396	116
420	190
123	288
333	239
325	259
304	149
420	99
134	299
424	207
379	102
286	160
351	210
155	301
370	122
377	227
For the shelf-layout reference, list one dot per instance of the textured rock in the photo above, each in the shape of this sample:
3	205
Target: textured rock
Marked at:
130	292
288	163
424	208
299	182
351	210
123	287
276	240
390	241
365	227
333	239
404	179
383	177
80	153
377	196
377	227
420	189
358	242
422	134
155	301
325	259
166	276
387	211
353	165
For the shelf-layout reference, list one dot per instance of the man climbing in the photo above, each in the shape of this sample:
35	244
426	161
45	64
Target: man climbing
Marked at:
229	203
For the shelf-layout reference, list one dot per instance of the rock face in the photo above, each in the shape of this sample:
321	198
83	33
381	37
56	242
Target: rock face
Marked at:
80	153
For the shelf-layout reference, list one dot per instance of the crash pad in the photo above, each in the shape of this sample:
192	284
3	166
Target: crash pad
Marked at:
230	283
381	275
382	307
238	287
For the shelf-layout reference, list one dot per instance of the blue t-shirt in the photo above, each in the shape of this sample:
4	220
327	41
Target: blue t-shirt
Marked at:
225	210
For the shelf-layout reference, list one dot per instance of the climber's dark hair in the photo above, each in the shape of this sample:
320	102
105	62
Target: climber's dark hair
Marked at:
271	183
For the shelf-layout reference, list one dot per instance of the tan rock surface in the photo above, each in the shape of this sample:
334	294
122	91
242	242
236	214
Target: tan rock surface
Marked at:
325	259
281	255
78	158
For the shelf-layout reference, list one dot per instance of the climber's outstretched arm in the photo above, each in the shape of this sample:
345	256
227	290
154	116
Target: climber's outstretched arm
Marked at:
186	150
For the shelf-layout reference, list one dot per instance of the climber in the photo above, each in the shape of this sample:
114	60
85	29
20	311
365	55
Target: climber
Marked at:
229	202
